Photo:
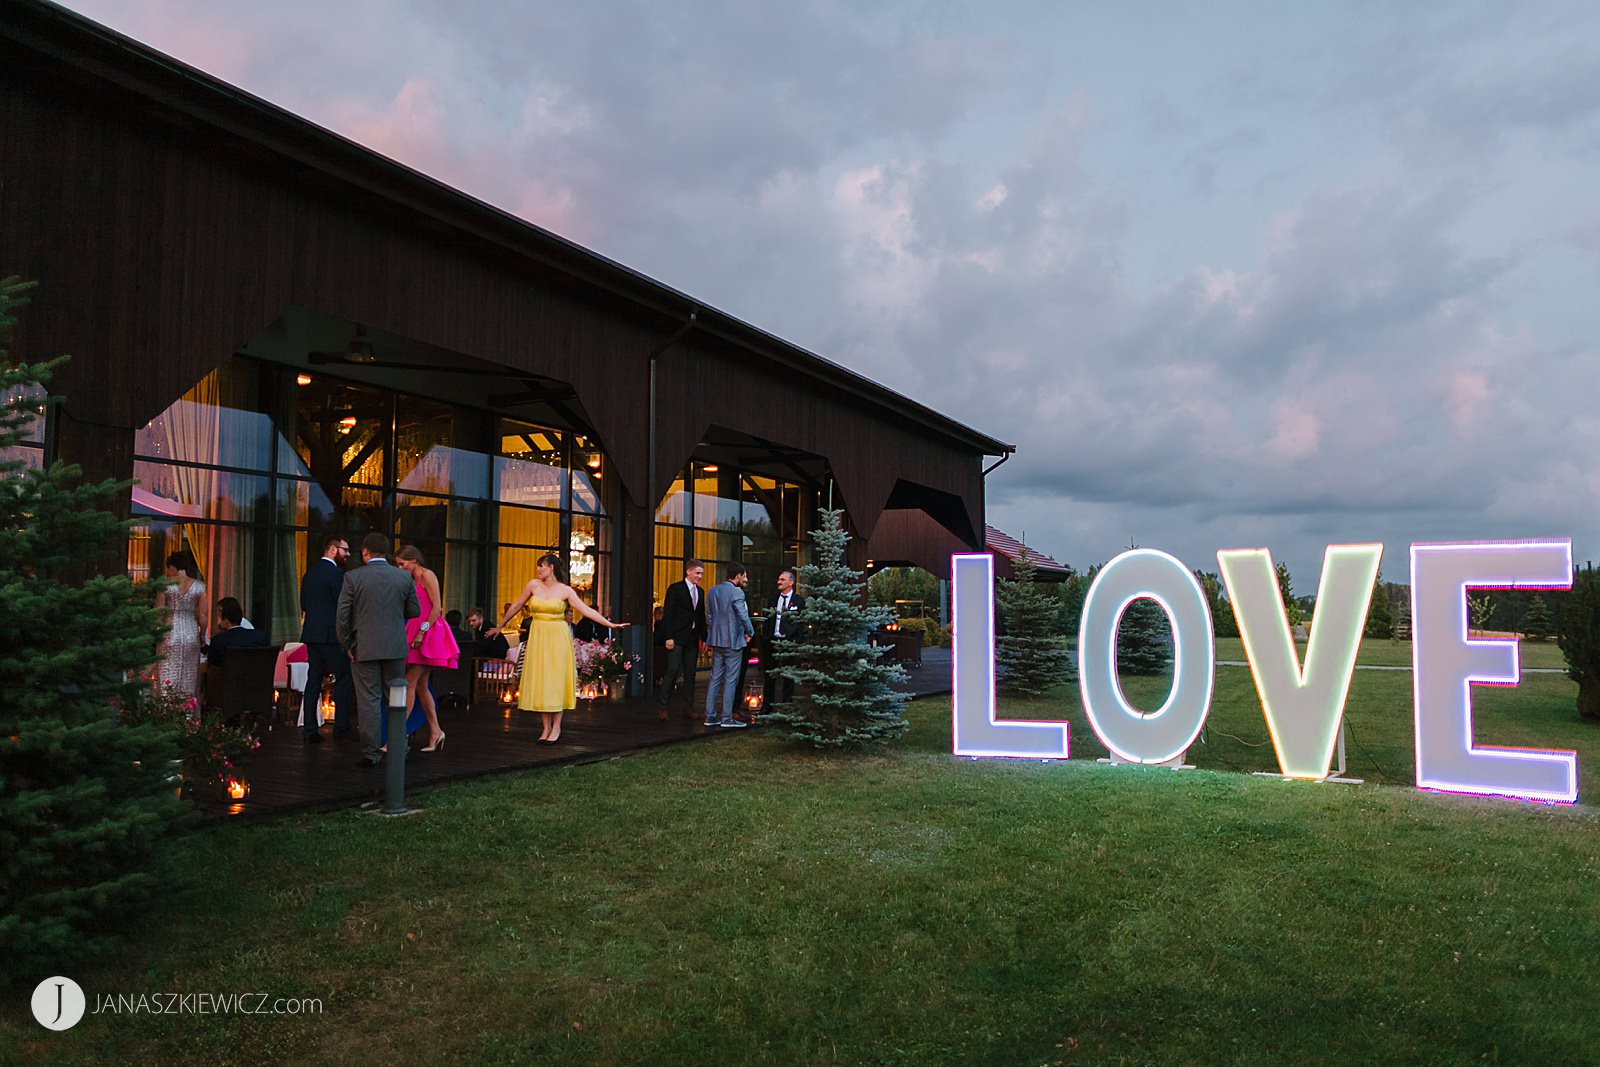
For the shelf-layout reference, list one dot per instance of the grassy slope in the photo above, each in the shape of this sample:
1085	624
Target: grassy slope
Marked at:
746	902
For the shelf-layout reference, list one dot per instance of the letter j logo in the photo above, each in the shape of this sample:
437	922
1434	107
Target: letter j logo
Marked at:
58	1003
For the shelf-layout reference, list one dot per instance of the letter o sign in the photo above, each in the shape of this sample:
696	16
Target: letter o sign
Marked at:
1136	736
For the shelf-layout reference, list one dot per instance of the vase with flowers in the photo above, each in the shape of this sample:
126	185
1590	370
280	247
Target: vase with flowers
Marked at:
603	667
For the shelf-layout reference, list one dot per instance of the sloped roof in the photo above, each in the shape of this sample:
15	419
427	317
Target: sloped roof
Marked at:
1003	543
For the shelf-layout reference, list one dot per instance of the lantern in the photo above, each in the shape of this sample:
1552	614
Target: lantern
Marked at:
236	788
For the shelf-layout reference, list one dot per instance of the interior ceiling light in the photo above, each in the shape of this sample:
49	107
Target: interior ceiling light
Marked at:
302	379
594	461
710	468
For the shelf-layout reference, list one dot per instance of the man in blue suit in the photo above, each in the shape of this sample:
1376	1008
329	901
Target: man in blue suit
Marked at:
319	599
728	620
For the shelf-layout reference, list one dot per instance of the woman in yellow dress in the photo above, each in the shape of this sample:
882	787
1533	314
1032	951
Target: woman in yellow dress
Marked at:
549	671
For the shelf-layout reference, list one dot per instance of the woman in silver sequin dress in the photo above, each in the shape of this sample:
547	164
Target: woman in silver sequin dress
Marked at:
180	653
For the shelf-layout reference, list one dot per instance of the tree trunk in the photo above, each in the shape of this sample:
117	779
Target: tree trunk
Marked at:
1589	700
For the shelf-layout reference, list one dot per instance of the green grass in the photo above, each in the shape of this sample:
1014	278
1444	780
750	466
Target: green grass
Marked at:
1377	652
747	902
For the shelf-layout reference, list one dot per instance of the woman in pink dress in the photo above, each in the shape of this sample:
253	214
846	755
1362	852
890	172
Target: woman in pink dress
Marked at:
431	642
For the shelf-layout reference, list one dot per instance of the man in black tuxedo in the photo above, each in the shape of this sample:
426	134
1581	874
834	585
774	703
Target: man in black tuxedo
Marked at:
781	626
684	623
319	599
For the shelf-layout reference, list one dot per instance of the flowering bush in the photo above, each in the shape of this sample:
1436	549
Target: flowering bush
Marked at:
602	661
209	749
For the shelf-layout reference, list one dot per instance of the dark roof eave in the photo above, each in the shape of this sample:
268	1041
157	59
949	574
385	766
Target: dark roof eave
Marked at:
47	28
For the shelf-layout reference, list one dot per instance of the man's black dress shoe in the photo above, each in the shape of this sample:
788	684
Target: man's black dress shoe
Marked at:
368	761
313	739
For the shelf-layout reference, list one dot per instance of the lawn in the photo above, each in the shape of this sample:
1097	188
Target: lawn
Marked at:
1380	744
743	901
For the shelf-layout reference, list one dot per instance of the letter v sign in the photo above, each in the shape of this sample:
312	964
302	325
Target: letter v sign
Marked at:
1303	709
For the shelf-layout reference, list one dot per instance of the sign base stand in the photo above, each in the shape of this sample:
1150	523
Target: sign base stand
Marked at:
1175	763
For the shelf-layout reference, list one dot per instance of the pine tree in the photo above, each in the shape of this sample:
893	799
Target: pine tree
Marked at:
1536	623
84	801
1144	639
1578	633
1291	606
1223	624
1380	616
843	696
1029	657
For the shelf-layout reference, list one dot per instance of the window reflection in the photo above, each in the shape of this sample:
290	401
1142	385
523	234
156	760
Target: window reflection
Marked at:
349	458
217	422
756	519
530	468
177	492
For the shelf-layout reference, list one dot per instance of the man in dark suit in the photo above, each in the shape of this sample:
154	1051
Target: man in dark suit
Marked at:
319	600
374	605
781	626
684	623
496	647
228	633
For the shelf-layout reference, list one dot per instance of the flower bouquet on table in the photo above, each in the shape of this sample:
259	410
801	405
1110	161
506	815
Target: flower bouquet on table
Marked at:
209	751
602	666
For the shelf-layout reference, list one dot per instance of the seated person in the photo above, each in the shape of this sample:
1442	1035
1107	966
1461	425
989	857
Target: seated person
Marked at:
244	623
229	634
495	647
458	628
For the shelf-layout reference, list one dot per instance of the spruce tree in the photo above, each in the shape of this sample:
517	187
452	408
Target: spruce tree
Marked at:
1536	623
1028	656
843	696
1578	633
1380	617
1144	639
1223	624
84	800
1291	606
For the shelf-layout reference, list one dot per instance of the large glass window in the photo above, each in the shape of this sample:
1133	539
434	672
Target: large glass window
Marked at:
30	451
719	515
254	466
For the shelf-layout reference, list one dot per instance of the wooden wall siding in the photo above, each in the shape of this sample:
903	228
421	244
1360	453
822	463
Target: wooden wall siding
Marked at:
910	536
701	383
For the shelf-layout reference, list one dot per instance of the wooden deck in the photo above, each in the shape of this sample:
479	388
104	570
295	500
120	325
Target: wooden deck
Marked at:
286	775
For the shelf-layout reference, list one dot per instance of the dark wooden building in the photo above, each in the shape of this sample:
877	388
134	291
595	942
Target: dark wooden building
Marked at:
278	333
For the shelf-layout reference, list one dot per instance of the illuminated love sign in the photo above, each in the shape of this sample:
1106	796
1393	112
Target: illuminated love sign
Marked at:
1303	705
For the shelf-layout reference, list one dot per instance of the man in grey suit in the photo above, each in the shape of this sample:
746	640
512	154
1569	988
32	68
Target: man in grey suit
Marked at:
374	605
730	630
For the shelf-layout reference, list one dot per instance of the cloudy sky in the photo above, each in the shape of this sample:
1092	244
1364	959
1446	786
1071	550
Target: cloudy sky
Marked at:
1227	274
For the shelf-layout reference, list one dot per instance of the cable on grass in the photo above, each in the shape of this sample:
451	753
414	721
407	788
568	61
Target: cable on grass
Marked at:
1349	735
